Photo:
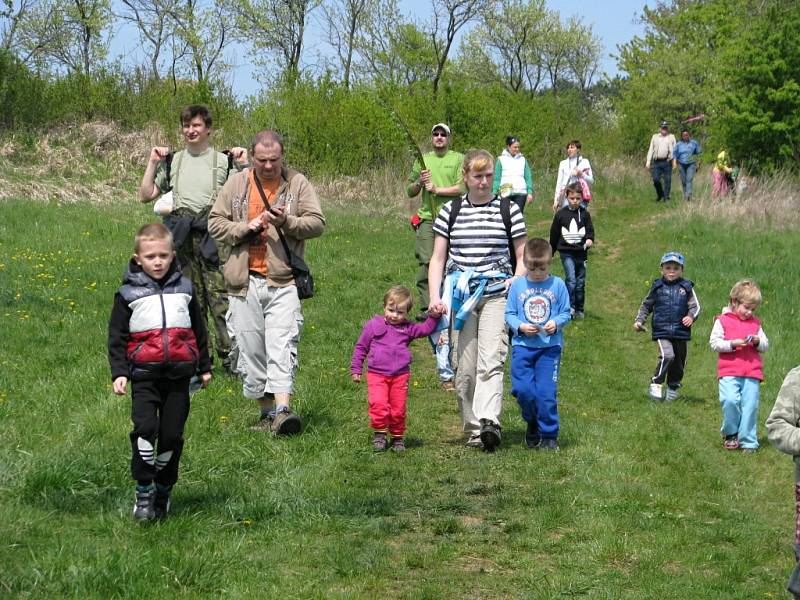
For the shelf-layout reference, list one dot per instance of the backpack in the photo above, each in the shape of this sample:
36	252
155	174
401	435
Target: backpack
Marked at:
505	212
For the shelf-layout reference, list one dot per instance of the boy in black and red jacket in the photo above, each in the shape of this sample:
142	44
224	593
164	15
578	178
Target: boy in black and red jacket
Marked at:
157	339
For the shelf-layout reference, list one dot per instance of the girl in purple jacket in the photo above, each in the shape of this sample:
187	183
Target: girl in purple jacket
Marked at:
384	343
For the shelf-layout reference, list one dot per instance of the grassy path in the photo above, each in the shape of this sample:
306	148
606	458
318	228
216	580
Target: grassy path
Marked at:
641	503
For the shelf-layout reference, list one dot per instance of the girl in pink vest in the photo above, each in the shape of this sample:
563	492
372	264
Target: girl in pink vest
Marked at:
738	338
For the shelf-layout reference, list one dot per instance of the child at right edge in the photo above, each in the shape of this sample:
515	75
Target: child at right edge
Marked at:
536	311
783	430
738	338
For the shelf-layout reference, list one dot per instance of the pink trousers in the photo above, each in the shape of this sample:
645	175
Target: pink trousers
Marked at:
387	395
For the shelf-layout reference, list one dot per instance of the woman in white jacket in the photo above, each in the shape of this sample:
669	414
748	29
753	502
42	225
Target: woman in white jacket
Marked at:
574	168
512	175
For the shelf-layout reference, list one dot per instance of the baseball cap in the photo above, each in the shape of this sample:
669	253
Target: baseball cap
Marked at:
673	256
664	124
441	126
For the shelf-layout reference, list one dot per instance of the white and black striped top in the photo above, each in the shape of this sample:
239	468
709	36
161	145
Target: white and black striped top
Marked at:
478	239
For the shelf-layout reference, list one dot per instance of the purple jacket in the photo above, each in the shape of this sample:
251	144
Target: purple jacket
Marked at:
386	346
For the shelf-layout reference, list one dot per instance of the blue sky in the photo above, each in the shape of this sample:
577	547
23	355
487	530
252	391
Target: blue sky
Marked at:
613	22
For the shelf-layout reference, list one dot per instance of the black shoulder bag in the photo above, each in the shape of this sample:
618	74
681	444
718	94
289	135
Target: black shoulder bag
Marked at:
303	280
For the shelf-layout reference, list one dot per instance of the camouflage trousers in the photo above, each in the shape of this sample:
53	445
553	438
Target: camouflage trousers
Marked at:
210	290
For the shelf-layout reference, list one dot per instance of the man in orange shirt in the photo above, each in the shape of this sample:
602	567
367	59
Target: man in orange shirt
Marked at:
265	308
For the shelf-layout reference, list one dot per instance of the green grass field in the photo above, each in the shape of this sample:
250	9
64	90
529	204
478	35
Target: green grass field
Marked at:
642	502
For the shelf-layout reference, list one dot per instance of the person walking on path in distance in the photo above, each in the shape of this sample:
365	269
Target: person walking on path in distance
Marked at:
512	175
661	160
573	169
684	152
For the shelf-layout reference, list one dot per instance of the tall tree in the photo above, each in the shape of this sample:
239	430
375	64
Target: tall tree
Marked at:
583	54
270	26
344	21
156	27
202	33
449	17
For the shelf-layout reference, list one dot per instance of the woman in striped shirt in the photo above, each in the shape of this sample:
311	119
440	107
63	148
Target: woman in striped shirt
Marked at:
473	252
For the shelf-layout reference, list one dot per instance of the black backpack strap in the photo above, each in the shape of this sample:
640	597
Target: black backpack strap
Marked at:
455	208
168	169
505	212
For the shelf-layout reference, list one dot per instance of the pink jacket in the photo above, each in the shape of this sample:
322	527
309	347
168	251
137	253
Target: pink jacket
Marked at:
385	346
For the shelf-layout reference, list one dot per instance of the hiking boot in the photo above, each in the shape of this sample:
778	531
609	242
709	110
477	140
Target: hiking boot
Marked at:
549	444
143	507
398	445
490	435
162	502
474	441
532	437
264	424
656	392
286	422
449	386
579	314
730	442
671	395
379	441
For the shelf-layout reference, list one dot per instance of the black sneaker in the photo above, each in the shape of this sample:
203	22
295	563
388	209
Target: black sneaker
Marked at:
490	435
549	444
532	437
286	422
143	507
161	503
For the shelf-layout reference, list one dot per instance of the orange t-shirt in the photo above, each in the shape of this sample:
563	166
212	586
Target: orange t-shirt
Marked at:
258	245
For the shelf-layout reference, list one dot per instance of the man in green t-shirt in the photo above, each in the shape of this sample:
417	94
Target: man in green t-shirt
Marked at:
194	175
439	180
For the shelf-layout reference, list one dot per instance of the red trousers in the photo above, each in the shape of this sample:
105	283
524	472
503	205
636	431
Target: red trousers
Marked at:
387	395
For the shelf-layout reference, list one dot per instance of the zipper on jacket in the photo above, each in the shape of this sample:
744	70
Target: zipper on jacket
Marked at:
164	334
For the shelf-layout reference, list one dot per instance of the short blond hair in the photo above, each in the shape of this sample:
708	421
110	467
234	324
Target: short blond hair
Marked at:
401	296
151	232
745	291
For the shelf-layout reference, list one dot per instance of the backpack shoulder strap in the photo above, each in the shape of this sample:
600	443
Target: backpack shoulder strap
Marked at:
505	212
455	208
168	169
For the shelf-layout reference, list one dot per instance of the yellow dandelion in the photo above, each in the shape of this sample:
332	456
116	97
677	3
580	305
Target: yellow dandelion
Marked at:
223	419
246	522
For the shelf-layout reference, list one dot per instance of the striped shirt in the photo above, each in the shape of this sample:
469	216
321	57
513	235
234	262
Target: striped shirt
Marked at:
478	240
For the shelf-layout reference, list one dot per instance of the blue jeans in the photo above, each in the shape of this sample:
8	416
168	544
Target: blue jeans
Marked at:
739	397
687	172
575	278
534	383
662	169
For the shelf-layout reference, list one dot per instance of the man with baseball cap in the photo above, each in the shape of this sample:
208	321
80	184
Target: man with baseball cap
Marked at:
660	161
439	180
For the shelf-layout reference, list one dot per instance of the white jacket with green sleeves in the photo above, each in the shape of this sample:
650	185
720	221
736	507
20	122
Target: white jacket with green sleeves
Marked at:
783	423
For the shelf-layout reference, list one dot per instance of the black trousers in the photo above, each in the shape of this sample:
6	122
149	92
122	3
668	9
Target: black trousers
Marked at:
671	362
159	411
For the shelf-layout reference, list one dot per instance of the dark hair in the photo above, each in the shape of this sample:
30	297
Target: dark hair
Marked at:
576	143
684	130
196	110
266	137
511	139
575	188
537	252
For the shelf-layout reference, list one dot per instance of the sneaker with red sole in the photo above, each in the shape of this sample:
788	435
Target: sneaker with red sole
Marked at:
731	442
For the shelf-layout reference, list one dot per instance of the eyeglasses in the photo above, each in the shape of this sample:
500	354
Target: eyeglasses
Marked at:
439	134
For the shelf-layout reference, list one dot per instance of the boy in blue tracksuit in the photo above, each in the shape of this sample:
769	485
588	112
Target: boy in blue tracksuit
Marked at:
537	309
675	308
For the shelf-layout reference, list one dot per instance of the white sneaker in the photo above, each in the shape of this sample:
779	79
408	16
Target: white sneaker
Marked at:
655	392
671	395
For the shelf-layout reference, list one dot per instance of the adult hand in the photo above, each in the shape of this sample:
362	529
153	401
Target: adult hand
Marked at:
550	327
205	379
528	329
529	198
239	155
436	312
425	178
436	305
120	386
257	224
274	216
157	153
